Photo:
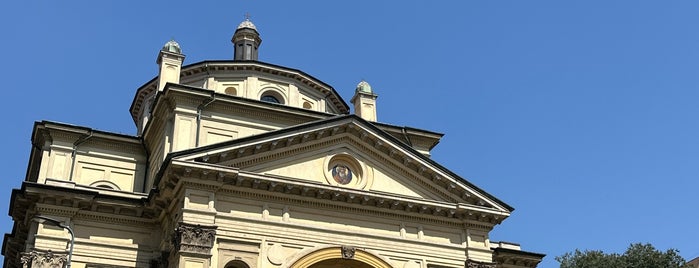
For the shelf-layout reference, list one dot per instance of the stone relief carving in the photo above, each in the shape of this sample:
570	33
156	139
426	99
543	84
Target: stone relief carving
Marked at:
275	254
477	264
347	252
37	259
194	238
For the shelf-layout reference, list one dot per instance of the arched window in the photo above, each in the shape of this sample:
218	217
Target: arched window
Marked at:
269	98
104	184
236	264
272	95
307	105
231	91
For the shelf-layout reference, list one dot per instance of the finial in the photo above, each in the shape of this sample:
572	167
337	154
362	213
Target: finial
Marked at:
247	23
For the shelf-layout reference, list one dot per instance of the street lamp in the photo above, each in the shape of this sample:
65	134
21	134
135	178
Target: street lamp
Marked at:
58	223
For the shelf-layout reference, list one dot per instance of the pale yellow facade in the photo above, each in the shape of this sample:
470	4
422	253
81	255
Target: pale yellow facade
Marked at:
246	164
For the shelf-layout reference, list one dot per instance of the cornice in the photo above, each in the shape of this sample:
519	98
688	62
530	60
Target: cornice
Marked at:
194	97
518	257
268	69
306	144
84	204
184	100
57	129
141	94
306	193
62	135
246	154
236	66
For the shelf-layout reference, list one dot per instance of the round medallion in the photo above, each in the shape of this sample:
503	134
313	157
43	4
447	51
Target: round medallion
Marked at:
342	174
276	254
344	170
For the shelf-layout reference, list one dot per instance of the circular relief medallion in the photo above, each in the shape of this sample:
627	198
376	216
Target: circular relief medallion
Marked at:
342	174
275	254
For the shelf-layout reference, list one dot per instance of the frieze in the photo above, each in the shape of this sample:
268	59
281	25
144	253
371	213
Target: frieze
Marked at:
120	219
38	259
191	238
333	207
62	134
272	187
478	264
86	214
225	68
133	146
55	210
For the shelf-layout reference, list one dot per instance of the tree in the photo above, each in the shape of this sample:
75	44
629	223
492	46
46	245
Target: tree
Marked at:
636	256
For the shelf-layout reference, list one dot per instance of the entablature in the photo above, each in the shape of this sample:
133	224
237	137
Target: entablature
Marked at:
80	203
186	100
248	152
516	258
218	178
255	68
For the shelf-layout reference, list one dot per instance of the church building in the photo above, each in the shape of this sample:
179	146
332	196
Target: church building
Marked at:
246	164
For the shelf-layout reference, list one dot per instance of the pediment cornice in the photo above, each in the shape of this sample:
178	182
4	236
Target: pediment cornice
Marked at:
217	178
352	130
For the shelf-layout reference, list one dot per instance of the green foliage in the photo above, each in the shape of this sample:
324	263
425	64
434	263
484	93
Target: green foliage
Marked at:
636	256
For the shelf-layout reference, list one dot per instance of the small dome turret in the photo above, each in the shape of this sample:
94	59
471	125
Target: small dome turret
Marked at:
172	46
364	101
363	87
246	40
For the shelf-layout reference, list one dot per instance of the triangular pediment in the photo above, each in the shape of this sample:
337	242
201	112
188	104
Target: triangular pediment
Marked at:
343	162
349	153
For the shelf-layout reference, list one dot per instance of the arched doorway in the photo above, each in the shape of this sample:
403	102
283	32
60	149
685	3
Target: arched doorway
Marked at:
340	263
340	257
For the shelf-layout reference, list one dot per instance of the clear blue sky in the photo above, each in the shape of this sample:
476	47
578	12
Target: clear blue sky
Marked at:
583	115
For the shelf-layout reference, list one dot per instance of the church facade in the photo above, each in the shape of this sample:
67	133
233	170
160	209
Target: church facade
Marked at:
245	164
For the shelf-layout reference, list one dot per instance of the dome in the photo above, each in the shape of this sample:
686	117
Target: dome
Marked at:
364	87
247	24
172	46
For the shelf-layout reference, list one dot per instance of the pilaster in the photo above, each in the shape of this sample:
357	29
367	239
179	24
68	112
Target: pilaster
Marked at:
40	259
192	245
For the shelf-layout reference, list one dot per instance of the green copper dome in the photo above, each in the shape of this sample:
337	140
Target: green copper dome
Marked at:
363	86
172	46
